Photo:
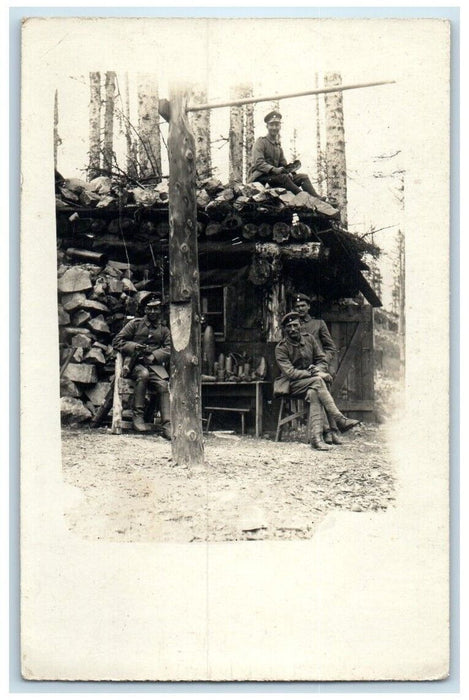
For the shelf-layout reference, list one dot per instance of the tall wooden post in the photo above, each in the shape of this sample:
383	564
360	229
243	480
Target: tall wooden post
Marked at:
335	146
185	386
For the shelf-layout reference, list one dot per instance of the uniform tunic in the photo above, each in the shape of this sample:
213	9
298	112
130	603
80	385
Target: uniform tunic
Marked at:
320	332
293	360
139	331
266	154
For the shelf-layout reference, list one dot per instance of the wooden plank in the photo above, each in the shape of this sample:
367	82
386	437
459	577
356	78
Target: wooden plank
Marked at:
367	357
116	428
347	359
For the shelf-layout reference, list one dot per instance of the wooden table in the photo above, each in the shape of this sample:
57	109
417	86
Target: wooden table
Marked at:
236	390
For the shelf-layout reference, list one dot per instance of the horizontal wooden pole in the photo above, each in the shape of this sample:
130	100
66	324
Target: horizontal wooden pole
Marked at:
252	100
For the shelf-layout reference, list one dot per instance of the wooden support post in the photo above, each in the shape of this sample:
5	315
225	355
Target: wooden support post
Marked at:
116	428
185	384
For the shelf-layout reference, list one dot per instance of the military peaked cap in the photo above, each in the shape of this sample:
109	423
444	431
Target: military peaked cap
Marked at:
288	318
273	117
152	301
301	297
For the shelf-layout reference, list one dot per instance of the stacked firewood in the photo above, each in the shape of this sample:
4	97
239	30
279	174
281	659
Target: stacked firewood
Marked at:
249	212
94	303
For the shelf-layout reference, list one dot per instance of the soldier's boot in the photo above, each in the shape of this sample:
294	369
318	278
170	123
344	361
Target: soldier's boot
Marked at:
316	422
333	412
335	435
165	416
327	431
138	419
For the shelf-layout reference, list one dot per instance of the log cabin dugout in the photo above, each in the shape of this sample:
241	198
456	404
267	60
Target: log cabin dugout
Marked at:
242	311
244	286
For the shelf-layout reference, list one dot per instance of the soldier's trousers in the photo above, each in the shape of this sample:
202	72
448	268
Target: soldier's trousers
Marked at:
145	378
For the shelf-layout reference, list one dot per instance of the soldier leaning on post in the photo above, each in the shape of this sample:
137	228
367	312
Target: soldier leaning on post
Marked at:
148	339
304	374
320	332
269	165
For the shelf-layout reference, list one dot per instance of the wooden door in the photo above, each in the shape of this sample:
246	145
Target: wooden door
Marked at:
353	385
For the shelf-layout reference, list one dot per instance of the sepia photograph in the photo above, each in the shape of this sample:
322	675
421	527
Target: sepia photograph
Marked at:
230	233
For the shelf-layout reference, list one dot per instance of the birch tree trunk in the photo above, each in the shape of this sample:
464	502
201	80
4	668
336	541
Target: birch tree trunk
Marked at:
401	287
108	141
94	164
185	383
57	139
149	147
335	146
200	125
319	153
236	137
248	131
131	155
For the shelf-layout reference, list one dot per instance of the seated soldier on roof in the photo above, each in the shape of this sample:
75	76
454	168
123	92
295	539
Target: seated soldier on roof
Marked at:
304	374
269	165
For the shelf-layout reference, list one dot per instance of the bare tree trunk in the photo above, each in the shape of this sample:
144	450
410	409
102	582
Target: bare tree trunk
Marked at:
185	386
131	157
401	263
319	153
335	146
57	139
236	138
149	147
95	125
200	125
248	131
108	141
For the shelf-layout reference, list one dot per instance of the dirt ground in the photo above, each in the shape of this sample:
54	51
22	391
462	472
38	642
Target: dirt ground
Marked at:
248	488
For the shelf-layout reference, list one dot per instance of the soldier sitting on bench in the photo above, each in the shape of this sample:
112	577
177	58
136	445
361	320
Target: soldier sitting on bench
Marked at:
304	374
148	339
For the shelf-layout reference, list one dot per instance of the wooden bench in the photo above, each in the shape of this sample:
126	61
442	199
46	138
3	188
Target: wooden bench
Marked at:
229	409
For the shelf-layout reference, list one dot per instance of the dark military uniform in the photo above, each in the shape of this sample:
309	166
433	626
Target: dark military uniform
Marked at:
139	331
150	369
294	359
320	332
268	154
304	370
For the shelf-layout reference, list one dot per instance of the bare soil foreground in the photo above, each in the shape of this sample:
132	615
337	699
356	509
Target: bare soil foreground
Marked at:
248	489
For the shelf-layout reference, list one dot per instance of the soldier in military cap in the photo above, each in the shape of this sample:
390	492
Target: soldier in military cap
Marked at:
149	341
269	164
318	329
302	304
304	373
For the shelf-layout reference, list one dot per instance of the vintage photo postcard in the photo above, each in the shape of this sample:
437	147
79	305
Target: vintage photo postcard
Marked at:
235	349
